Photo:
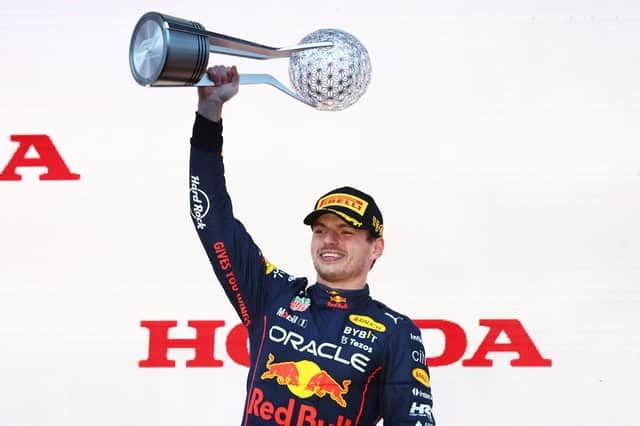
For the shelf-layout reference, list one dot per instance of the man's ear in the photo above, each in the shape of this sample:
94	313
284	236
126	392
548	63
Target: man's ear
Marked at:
378	247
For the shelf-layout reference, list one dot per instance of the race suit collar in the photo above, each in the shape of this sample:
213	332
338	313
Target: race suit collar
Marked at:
322	295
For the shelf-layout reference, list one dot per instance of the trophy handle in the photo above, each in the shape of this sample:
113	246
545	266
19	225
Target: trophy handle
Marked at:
228	45
259	79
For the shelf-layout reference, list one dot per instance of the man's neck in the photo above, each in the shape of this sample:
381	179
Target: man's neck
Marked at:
343	285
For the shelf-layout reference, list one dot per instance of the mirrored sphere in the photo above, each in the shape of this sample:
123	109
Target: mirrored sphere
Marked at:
332	78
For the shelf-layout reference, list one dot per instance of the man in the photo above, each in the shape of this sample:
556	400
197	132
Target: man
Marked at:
325	354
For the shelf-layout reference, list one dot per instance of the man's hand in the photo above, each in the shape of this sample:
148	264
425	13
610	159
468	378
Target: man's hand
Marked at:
211	99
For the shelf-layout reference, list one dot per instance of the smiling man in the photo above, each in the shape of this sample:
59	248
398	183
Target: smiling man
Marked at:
325	353
347	238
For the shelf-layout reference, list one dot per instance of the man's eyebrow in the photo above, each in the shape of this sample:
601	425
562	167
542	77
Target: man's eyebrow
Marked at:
341	225
346	225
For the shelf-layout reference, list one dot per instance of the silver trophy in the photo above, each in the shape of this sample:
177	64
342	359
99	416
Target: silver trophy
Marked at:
329	70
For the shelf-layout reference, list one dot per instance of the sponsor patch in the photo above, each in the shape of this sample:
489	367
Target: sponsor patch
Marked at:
395	319
269	267
305	378
199	203
326	350
421	376
336	301
260	407
420	410
415	338
377	225
356	204
300	303
367	322
419	357
294	319
420	393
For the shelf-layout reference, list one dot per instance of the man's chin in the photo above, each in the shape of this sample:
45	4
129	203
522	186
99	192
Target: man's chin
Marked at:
328	275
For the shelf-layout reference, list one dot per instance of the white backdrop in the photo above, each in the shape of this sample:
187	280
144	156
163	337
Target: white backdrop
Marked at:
501	140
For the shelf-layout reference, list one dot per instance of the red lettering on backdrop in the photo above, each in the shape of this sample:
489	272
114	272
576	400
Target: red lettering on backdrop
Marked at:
237	345
455	341
520	342
454	348
48	156
159	344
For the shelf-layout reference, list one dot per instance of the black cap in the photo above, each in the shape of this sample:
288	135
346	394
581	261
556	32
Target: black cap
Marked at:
352	205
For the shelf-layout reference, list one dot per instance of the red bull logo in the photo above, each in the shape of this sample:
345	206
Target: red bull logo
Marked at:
322	384
337	299
305	379
286	373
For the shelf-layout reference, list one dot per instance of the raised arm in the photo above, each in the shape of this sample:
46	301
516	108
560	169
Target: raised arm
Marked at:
236	259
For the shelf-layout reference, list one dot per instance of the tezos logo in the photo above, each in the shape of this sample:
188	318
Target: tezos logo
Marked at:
199	203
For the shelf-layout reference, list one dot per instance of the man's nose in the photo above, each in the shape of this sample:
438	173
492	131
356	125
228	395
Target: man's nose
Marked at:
331	237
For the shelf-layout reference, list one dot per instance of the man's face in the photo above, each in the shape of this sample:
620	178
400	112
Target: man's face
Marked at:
342	254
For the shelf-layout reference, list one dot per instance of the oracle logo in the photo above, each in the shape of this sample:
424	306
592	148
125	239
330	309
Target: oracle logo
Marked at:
525	352
47	156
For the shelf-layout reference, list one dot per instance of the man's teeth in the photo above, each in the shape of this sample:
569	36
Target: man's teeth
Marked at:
330	255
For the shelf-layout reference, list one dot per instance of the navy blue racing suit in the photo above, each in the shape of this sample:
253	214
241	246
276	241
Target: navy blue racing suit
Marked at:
319	356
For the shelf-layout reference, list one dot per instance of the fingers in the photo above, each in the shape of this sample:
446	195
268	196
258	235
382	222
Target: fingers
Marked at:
217	74
221	74
226	82
233	74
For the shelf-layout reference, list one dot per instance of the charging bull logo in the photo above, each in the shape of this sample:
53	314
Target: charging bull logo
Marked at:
305	379
337	299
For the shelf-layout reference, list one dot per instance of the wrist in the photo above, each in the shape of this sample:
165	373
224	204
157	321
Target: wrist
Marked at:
210	111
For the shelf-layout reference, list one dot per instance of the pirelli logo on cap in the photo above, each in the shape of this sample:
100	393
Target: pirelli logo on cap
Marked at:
356	204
